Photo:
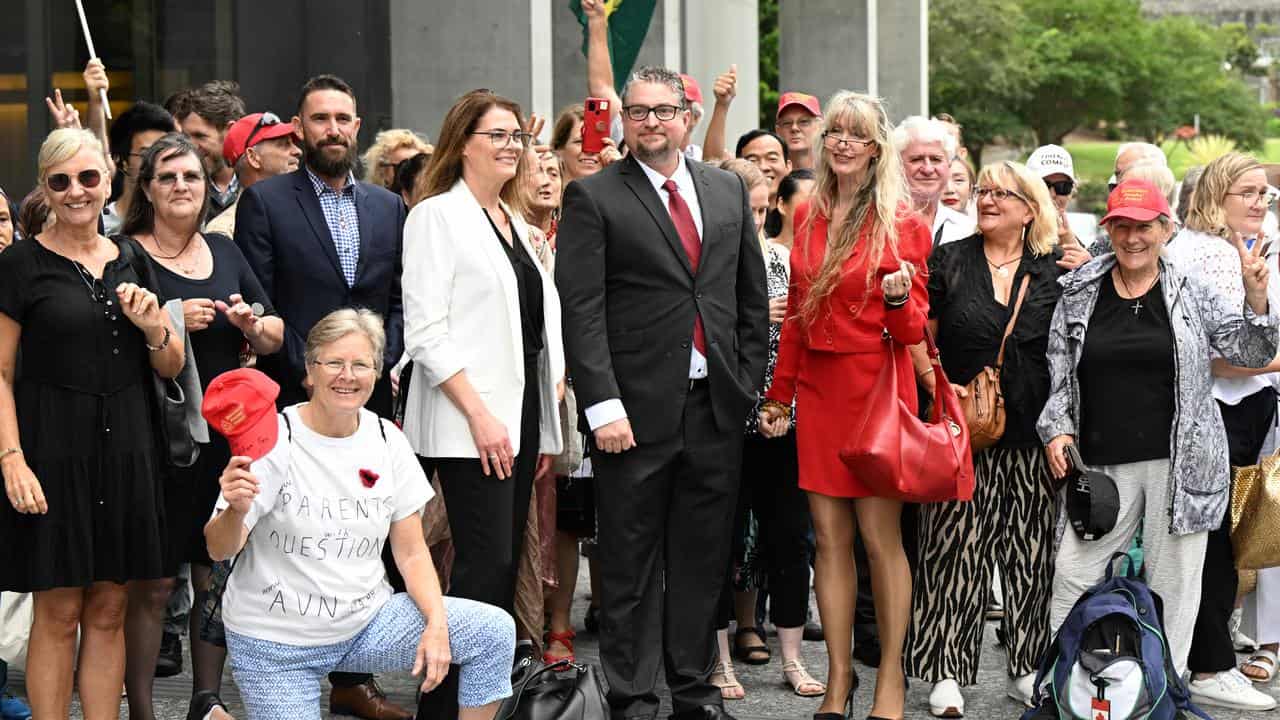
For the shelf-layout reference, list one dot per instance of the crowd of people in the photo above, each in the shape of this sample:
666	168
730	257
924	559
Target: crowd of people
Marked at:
430	391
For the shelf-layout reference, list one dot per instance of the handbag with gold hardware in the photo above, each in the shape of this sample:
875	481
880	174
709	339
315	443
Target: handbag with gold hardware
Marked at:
1255	514
983	404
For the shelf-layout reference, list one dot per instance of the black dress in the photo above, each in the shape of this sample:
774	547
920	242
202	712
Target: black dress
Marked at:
192	491
88	427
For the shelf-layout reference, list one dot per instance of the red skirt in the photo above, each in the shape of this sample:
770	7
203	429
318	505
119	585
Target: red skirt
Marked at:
831	391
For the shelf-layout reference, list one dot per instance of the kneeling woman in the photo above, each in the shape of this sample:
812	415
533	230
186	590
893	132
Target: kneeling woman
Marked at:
329	484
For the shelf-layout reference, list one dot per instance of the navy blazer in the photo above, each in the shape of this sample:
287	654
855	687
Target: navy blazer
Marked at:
282	231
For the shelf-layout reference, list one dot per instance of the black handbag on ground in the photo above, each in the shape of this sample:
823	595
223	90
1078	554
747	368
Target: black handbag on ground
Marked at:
543	695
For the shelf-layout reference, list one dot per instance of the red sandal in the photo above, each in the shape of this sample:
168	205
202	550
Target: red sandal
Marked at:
564	638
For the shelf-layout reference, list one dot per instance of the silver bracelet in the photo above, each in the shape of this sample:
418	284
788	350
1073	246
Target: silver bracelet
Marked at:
10	451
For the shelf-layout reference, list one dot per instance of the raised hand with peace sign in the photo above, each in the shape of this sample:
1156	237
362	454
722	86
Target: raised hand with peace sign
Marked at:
1253	269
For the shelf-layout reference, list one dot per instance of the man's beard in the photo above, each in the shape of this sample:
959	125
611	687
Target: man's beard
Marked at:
649	157
321	164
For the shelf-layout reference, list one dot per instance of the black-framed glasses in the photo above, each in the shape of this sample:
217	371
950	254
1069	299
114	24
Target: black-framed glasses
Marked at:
60	182
640	113
1061	187
998	194
267	120
502	138
835	141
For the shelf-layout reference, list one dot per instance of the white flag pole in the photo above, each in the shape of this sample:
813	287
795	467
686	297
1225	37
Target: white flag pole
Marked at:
88	41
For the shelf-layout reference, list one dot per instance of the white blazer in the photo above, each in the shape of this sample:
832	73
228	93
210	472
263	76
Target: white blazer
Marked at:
462	313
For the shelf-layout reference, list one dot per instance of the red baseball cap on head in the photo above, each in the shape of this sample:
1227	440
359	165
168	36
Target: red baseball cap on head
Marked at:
692	93
1136	200
241	404
804	100
251	130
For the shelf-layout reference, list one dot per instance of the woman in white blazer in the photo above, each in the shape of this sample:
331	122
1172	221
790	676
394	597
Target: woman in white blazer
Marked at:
482	327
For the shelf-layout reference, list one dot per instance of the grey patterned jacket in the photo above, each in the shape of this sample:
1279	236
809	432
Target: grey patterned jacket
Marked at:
1202	323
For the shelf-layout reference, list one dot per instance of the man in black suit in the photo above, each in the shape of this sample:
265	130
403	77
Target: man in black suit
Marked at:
320	240
662	282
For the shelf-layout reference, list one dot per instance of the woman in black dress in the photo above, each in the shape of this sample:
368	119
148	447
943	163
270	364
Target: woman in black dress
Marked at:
218	290
78	432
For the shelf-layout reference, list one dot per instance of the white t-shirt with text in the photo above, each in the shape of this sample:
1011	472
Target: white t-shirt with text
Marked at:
311	572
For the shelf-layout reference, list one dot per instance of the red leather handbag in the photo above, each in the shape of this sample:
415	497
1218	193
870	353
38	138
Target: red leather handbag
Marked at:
901	456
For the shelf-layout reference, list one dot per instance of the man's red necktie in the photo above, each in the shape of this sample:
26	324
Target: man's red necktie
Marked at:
688	231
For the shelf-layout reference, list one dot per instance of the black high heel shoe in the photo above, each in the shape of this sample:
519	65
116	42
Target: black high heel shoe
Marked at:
848	704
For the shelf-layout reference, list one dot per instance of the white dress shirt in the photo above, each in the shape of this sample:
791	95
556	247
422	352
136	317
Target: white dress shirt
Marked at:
612	410
954	225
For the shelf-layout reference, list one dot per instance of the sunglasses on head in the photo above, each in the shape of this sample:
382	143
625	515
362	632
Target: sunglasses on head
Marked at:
1061	187
59	182
267	120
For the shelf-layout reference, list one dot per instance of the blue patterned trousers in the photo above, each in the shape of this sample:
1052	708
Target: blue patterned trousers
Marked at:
283	681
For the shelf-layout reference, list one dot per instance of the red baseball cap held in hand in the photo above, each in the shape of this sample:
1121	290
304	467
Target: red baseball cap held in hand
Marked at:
692	93
241	404
251	130
1136	200
804	100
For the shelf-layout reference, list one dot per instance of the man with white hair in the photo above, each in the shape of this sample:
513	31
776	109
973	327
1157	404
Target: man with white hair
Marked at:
927	148
1132	153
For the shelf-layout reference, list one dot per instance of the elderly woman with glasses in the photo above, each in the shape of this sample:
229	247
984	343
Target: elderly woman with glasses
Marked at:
79	432
307	503
1003	279
219	292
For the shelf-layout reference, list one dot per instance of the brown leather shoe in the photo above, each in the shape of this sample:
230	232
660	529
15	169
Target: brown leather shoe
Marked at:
367	701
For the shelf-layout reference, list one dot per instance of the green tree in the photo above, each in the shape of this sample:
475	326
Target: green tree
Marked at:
980	68
1087	52
768	13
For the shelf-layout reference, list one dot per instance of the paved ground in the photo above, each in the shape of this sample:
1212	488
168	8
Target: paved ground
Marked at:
767	697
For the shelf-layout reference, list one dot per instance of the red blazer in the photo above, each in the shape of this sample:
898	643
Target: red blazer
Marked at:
851	320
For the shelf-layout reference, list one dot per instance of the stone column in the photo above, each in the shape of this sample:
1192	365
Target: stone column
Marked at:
873	46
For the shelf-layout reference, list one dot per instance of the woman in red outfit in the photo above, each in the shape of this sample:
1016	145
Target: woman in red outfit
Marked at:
857	270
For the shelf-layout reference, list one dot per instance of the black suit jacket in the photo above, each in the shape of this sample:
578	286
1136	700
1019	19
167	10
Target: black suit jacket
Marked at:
629	295
281	230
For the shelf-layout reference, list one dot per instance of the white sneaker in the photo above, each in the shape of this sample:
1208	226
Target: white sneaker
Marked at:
945	700
1022	688
1230	689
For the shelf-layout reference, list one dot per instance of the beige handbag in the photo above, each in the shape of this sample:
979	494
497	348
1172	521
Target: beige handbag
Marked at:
983	405
1255	514
568	462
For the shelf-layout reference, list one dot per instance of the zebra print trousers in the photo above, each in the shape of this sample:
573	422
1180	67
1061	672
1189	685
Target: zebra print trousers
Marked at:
1009	524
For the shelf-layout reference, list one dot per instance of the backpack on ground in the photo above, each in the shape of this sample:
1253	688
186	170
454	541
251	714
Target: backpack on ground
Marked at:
1110	659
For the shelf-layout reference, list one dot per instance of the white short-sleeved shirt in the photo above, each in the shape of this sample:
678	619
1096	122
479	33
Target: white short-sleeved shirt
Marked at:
311	572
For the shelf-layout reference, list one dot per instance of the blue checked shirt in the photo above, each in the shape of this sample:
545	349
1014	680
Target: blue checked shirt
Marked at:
344	224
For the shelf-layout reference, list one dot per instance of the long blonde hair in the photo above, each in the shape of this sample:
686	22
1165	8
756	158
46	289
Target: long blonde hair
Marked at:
1041	235
880	197
1207	214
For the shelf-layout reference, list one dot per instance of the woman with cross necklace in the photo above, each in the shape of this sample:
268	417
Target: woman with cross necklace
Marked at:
1130	354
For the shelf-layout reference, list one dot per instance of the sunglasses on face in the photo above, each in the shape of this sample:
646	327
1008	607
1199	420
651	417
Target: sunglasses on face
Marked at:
1061	187
60	182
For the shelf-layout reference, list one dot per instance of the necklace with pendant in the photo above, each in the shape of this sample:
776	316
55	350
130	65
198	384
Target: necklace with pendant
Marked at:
1002	269
1137	305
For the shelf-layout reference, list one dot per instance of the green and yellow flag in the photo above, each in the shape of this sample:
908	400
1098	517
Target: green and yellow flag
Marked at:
628	24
